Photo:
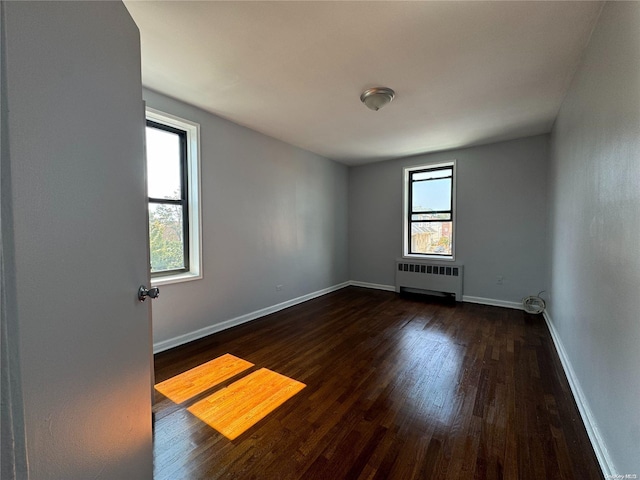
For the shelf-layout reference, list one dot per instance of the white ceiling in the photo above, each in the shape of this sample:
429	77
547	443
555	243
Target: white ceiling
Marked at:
465	73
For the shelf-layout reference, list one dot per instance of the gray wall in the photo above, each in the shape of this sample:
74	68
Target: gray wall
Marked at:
501	217
272	214
595	230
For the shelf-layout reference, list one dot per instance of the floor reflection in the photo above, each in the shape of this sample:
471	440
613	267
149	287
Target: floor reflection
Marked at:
432	373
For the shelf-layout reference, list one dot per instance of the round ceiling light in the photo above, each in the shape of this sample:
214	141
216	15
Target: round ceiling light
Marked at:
376	98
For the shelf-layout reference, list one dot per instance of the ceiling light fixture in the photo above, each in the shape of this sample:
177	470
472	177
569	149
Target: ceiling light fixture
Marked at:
376	98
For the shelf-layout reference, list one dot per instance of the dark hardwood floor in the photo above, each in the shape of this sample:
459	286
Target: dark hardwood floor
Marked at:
397	388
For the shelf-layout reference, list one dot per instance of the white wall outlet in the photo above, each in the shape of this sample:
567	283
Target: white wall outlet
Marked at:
279	288
500	280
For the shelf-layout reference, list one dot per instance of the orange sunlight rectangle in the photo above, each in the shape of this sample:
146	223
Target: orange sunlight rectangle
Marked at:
187	385
234	409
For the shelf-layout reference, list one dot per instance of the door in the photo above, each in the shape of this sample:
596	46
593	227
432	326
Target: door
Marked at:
79	251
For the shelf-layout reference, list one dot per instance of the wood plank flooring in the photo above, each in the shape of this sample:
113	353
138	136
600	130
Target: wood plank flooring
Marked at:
397	388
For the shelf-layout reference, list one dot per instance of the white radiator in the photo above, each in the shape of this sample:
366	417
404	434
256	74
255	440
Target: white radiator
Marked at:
433	277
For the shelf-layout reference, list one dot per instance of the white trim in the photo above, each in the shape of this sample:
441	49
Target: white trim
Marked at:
179	278
465	298
429	258
376	286
493	302
598	443
218	327
232	322
194	188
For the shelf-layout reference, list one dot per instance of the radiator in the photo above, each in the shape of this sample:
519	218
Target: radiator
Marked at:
423	275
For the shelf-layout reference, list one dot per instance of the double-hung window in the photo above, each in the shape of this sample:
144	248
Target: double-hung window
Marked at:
172	185
429	204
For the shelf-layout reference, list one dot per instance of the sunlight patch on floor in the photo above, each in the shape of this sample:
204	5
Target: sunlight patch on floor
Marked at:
234	409
187	385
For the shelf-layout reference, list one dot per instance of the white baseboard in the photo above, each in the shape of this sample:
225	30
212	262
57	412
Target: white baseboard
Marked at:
218	327
599	446
465	298
376	286
493	302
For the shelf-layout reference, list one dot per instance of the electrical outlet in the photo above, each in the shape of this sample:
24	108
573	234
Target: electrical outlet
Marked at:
279	288
500	280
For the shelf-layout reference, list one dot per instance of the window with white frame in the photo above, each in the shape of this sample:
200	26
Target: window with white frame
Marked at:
173	186
429	211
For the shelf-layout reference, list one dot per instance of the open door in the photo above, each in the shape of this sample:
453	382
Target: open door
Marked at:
78	224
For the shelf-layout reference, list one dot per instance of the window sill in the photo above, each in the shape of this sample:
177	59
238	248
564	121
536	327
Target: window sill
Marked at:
169	279
430	257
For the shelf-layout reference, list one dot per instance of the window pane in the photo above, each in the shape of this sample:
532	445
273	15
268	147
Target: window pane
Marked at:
431	195
166	237
163	164
447	172
433	238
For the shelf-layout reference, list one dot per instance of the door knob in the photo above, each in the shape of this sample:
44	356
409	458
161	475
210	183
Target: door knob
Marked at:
144	292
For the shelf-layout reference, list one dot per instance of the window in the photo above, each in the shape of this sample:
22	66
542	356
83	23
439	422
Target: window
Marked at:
173	190
429	205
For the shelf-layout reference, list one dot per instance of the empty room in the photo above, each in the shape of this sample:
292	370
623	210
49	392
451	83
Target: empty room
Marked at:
320	240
